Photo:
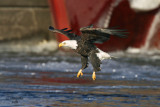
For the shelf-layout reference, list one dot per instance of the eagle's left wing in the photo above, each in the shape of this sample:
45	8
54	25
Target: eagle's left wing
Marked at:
65	32
100	35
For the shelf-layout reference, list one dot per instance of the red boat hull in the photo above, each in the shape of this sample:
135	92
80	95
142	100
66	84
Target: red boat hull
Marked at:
79	13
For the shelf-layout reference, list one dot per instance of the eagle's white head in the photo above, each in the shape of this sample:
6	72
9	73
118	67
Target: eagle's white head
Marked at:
69	43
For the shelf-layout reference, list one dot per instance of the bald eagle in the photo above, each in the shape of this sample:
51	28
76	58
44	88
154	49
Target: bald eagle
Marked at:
84	45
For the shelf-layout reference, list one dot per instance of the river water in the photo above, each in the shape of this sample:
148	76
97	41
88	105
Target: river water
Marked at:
34	80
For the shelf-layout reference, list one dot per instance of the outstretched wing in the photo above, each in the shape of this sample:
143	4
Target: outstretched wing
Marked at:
65	32
100	35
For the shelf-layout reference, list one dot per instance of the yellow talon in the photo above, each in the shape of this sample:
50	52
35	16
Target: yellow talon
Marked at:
79	73
94	76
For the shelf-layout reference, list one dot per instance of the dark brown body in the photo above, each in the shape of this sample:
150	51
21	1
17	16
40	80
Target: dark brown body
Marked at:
85	47
88	50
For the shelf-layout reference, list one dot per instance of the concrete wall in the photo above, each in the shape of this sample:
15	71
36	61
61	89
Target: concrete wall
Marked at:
24	26
24	18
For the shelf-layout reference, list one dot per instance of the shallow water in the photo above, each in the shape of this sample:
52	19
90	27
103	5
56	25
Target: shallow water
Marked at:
28	80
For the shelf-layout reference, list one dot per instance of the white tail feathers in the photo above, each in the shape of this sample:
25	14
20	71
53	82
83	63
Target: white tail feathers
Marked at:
103	55
114	57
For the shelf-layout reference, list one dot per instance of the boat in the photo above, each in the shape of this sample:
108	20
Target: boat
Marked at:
140	20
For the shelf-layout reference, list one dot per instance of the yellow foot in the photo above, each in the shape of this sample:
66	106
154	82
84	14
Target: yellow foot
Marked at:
94	76
79	73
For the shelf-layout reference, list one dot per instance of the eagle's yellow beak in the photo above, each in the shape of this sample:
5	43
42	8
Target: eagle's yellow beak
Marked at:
61	44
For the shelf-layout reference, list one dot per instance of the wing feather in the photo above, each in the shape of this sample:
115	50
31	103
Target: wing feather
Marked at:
100	35
65	32
61	29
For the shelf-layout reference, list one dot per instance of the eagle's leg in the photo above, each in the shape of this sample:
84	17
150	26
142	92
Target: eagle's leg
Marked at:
94	75
80	73
84	61
95	61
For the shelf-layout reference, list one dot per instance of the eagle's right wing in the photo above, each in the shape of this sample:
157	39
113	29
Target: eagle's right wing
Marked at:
100	35
65	32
